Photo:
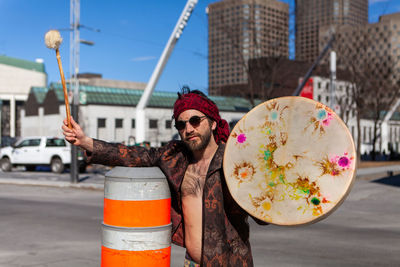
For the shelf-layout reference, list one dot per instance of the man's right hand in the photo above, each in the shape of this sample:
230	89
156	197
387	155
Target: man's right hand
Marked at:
76	136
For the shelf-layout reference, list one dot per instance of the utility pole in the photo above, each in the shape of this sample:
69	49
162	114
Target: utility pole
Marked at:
173	39
333	79
74	83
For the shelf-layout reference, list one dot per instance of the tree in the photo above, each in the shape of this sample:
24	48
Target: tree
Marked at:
373	76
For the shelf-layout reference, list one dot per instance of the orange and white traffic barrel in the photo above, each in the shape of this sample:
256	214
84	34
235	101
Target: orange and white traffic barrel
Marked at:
137	218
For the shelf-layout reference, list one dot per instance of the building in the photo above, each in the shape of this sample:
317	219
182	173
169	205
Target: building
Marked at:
270	78
17	76
374	47
109	113
311	15
96	79
281	79
240	30
344	107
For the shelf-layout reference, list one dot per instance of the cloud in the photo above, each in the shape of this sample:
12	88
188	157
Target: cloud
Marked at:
137	59
371	2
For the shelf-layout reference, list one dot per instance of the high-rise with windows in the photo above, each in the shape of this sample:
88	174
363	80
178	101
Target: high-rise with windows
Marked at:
240	30
375	47
311	15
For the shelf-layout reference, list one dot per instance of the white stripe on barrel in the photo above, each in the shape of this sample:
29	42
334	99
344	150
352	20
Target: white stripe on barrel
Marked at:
136	189
136	239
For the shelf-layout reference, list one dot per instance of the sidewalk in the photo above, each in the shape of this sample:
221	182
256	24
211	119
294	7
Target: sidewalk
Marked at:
93	179
378	168
16	181
367	171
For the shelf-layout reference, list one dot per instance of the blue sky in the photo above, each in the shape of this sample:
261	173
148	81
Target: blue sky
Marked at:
131	39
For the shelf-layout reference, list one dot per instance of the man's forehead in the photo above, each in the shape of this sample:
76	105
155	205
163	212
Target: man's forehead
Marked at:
189	113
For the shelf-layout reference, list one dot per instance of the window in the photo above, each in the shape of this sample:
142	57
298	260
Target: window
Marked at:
118	123
364	134
29	142
133	124
153	124
168	124
101	123
370	134
54	142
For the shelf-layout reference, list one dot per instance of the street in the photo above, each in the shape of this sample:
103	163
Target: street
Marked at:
51	226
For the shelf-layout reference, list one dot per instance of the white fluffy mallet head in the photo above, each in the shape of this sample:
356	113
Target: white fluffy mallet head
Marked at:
53	39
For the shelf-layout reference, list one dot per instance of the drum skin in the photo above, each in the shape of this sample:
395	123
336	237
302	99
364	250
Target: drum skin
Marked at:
290	161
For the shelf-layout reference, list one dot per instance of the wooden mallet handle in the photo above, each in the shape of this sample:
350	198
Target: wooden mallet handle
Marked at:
67	110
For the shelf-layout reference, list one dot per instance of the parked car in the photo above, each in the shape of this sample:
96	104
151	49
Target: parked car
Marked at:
38	151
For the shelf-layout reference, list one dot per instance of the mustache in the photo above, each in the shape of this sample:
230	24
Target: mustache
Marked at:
192	135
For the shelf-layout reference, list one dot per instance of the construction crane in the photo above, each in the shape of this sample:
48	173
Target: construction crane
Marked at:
144	100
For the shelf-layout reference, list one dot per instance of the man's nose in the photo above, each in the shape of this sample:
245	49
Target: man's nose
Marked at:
188	127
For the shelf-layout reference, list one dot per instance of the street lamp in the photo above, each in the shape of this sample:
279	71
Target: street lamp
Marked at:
74	70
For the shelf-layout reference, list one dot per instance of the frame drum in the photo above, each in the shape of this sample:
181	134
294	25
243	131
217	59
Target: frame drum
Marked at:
290	161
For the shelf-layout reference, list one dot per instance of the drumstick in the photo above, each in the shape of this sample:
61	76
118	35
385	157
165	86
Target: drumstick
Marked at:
53	40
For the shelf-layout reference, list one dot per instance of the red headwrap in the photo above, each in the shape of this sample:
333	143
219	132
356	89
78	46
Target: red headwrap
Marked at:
202	104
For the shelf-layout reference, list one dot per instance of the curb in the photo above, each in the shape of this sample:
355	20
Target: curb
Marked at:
377	170
98	187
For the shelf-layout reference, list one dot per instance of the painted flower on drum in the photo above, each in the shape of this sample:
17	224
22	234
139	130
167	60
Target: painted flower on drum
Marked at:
241	138
274	114
244	172
344	161
324	117
329	167
321	119
303	188
262	205
240	135
336	165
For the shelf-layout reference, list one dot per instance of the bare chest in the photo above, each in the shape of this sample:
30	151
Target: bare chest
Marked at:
193	182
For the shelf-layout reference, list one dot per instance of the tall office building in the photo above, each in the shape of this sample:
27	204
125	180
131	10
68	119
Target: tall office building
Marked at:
240	30
374	47
311	15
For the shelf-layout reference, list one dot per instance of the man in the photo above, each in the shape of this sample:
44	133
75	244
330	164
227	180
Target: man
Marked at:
205	218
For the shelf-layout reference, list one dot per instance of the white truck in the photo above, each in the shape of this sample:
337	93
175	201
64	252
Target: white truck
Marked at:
38	151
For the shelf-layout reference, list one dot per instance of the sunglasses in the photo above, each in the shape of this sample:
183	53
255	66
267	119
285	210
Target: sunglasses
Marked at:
194	121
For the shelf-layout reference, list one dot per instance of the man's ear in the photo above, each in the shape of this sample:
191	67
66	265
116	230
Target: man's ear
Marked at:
214	126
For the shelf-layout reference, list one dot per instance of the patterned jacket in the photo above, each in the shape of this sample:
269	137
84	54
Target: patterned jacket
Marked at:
225	239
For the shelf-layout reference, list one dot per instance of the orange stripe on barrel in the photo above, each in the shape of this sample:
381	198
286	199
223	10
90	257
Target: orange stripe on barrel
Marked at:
137	213
124	258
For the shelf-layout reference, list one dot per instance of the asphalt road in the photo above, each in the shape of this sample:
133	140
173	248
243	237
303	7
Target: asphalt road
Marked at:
60	227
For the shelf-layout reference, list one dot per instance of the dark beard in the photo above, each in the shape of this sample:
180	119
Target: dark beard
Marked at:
204	141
